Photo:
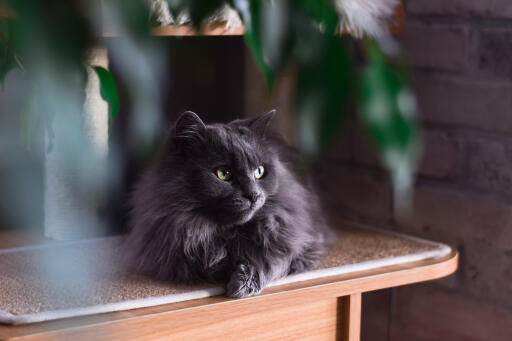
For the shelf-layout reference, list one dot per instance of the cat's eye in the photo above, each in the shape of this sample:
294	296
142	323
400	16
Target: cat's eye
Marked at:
259	172
223	173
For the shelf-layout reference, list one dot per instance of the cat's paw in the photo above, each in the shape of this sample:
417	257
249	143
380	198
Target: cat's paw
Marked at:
245	281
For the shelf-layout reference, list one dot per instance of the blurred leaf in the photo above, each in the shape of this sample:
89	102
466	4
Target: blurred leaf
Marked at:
276	32
388	110
28	122
176	7
108	90
251	14
52	27
321	11
323	91
132	16
5	60
8	57
6	65
199	10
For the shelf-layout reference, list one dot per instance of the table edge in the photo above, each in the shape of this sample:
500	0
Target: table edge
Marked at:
314	289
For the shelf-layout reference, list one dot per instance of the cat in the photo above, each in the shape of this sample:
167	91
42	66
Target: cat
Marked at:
223	204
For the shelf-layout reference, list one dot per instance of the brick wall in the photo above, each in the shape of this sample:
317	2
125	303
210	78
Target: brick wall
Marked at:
460	53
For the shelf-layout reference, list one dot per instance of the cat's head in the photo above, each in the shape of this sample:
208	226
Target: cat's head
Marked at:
229	170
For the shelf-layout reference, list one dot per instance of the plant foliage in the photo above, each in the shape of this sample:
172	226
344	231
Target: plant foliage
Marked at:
108	90
51	39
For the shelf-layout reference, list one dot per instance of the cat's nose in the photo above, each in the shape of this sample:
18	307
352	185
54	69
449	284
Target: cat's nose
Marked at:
253	197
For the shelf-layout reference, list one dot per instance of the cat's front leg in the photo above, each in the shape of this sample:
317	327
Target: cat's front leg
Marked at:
244	281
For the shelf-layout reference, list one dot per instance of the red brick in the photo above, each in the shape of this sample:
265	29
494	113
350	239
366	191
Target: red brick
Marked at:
485	272
442	155
494	56
490	165
428	314
454	215
441	158
465	102
354	193
481	229
477	8
436	46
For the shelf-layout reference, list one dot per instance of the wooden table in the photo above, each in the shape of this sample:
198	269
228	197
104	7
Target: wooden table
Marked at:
327	308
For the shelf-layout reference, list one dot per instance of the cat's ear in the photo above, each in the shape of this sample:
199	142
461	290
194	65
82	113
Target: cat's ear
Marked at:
260	124
188	127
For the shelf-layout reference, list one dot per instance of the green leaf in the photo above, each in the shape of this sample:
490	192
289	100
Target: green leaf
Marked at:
251	13
276	36
6	66
323	92
321	11
388	111
108	90
8	58
132	16
388	108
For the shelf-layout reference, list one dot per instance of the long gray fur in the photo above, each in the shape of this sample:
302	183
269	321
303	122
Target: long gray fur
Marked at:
188	226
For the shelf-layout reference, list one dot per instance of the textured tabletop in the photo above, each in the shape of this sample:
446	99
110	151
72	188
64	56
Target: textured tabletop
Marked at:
79	278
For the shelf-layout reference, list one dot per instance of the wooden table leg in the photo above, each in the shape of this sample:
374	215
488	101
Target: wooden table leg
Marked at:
351	317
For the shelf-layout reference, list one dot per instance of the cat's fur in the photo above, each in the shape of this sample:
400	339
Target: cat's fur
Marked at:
189	226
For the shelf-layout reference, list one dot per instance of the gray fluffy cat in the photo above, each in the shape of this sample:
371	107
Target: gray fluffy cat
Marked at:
223	204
